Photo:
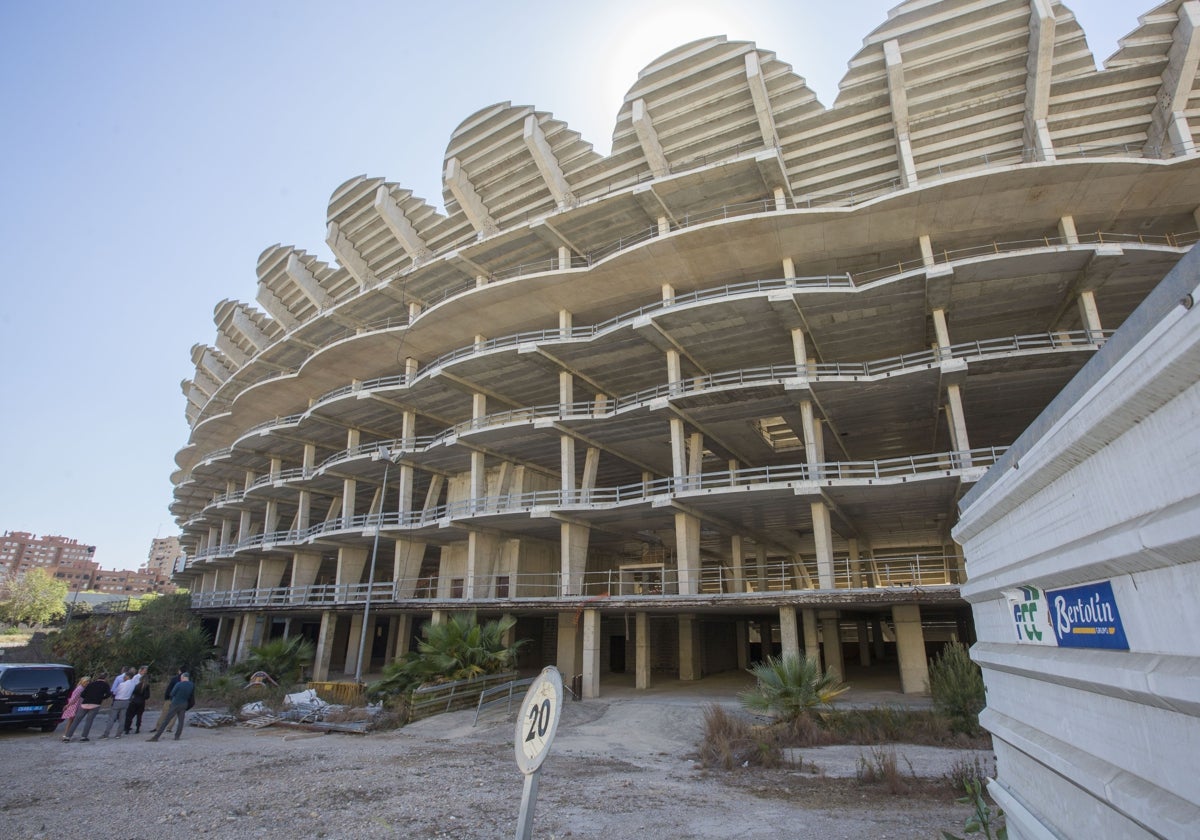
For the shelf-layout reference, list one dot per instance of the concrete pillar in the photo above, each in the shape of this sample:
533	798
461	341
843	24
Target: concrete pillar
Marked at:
856	578
642	657
831	635
406	566
958	422
591	653
569	657
687	553
573	549
877	638
690	665
1066	230
270	572
1089	315
399	636
823	540
738	582
679	461
350	565
235	638
760	565
789	268
910	649
812	645
324	647
742	629
356	631
864	644
789	634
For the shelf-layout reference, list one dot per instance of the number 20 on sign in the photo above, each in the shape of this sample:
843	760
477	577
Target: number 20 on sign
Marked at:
536	725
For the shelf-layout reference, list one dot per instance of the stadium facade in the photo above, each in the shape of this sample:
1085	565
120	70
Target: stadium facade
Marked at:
713	395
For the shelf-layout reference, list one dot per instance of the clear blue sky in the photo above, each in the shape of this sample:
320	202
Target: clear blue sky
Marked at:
151	150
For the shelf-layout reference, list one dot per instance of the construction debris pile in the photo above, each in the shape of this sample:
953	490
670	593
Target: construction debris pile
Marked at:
303	710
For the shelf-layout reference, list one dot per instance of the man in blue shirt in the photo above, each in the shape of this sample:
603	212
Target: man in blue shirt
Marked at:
181	697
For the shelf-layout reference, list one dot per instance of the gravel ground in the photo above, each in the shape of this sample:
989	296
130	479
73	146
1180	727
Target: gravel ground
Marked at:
618	768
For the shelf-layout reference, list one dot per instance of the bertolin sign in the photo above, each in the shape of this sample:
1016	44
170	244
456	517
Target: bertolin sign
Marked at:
1078	616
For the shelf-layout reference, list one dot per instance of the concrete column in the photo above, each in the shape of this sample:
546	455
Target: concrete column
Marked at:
831	635
591	653
760	565
738	583
1066	230
856	578
789	268
910	649
305	566
823	540
642	656
789	634
350	565
690	667
235	638
399	636
573	549
406	566
864	644
356	631
812	645
958	422
800	352
678	449
324	646
877	638
569	657
940	330
270	572
687	553
1089	315
742	629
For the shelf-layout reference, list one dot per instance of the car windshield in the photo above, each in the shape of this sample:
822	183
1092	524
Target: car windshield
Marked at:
33	679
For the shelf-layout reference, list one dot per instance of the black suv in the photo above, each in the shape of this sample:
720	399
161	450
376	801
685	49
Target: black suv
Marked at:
34	695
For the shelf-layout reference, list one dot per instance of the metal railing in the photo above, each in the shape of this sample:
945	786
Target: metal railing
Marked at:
909	466
491	698
846	198
758	376
633	581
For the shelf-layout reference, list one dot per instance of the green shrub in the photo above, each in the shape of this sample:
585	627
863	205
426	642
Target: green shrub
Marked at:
956	684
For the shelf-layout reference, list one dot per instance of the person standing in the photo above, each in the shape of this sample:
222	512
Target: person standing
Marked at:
181	701
122	691
72	708
93	696
137	703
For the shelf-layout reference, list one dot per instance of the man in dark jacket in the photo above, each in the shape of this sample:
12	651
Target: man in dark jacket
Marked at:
94	694
181	696
137	703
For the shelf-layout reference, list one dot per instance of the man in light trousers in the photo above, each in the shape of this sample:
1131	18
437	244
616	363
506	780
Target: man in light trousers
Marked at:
122	694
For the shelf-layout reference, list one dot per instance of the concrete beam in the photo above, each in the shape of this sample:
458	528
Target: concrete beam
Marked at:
306	282
643	125
349	256
400	226
1039	71
243	323
472	205
899	96
1169	129
762	102
276	308
547	163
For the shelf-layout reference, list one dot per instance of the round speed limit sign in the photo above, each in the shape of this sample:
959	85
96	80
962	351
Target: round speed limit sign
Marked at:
538	720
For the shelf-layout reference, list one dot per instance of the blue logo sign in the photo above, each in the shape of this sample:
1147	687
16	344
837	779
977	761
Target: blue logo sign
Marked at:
1086	616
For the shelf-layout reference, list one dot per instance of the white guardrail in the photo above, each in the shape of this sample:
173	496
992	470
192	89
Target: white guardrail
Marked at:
638	580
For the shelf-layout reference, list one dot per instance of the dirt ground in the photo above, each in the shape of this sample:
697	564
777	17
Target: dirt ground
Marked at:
620	767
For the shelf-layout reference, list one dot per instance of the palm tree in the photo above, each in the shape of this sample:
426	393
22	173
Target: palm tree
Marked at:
281	658
790	687
458	648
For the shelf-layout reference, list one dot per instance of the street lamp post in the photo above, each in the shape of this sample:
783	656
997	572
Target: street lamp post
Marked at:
362	637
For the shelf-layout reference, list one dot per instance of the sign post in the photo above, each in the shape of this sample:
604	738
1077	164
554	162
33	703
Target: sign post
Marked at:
536	725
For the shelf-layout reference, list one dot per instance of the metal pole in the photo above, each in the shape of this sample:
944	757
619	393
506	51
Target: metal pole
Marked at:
362	637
